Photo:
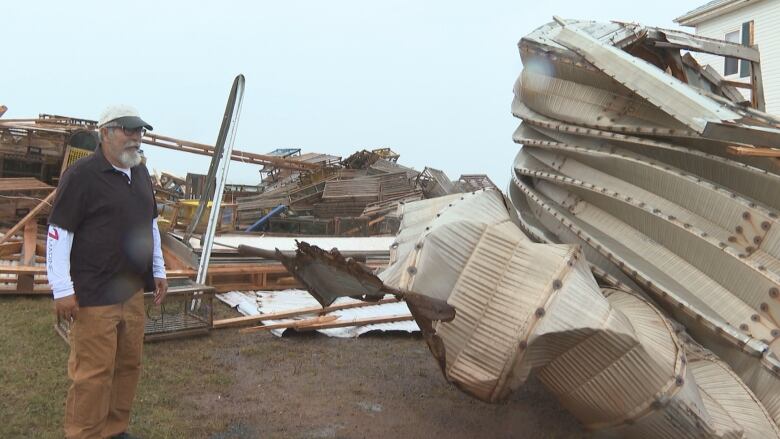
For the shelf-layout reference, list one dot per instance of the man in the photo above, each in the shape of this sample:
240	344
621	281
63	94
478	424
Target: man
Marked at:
103	252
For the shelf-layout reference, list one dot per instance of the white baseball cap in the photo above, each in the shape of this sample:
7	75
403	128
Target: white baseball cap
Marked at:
124	115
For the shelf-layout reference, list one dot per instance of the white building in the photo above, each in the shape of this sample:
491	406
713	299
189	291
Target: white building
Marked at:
750	22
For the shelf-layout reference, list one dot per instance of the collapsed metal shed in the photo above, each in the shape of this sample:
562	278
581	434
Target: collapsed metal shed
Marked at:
630	152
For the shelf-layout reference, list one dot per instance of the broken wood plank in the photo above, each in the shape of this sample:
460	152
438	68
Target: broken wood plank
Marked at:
22	269
10	248
245	320
11	291
241	156
671	39
29	217
757	99
357	322
291	324
26	282
736	84
755	152
22	184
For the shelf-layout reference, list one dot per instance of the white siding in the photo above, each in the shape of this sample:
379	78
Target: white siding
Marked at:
766	18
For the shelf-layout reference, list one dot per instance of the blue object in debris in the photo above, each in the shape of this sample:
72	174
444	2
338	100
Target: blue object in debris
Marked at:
262	223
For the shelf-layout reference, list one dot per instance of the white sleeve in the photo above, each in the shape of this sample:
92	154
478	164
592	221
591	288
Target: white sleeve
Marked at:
158	263
58	244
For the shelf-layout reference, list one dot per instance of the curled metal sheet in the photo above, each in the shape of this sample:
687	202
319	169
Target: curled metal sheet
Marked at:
615	362
652	205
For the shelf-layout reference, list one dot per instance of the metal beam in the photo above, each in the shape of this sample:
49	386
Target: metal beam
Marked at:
680	40
240	156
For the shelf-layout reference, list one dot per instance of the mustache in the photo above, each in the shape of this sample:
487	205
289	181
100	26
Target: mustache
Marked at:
133	144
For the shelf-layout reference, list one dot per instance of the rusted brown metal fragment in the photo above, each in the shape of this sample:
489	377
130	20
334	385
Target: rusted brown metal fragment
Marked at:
328	276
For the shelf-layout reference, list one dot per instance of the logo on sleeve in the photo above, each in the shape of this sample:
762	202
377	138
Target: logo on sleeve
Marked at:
54	234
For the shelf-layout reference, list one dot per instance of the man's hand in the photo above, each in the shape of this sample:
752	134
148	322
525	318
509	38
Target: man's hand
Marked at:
66	307
160	289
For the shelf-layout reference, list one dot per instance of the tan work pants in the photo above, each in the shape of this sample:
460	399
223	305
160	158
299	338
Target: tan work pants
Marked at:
104	366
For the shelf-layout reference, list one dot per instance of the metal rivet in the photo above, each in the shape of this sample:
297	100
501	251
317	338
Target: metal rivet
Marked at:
774	292
755	317
411	270
765	225
738	229
557	284
679	380
540	312
746	215
764	307
743	327
523	344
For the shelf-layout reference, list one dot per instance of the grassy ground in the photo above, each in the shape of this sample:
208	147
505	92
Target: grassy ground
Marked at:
34	377
230	385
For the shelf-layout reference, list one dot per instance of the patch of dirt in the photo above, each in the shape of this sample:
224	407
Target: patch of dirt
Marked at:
379	385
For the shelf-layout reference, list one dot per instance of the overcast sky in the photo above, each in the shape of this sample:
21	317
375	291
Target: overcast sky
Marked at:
430	79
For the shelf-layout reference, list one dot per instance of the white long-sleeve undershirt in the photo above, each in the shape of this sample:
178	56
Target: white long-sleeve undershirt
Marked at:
58	245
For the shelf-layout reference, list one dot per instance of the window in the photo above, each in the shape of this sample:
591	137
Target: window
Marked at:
731	65
744	36
747	40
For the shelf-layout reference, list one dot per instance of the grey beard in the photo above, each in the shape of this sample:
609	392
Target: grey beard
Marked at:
129	158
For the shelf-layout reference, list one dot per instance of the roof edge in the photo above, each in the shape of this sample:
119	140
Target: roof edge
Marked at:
705	12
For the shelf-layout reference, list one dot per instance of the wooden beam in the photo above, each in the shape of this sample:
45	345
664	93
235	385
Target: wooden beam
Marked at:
241	156
757	91
246	320
736	84
26	282
675	63
11	291
671	39
291	324
755	152
356	322
10	248
30	216
22	269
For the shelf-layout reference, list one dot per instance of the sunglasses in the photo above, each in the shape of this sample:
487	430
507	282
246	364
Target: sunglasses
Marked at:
129	132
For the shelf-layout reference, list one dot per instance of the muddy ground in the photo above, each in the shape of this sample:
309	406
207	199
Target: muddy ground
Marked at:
230	385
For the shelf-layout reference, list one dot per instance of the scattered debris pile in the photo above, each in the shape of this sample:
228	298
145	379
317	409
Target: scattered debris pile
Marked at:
299	194
610	356
356	196
659	172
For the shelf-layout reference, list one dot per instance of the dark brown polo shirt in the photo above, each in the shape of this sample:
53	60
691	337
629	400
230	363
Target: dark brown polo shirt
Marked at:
111	221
